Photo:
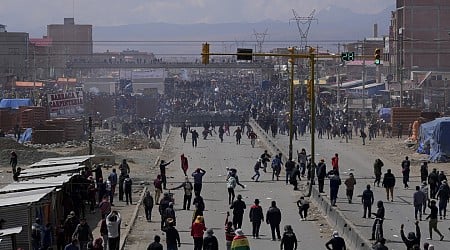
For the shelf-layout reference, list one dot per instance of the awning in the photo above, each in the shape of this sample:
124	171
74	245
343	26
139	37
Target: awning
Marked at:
16	198
61	161
49	171
35	184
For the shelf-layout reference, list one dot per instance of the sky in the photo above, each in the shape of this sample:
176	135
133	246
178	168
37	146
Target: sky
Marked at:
23	15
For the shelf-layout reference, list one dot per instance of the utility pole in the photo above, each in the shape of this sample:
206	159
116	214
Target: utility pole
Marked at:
400	62
364	76
313	122
90	135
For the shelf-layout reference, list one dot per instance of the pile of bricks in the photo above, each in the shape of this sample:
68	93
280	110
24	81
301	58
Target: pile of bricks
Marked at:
31	117
8	120
59	130
405	116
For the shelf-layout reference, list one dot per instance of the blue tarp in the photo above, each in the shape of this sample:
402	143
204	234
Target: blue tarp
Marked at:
15	103
385	114
434	139
26	136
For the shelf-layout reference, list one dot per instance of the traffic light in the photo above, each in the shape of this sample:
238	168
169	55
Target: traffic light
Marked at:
309	90
205	53
377	56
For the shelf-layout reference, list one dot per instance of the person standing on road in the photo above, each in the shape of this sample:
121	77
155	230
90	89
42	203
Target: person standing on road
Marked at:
13	161
419	199
335	162
433	220
210	241
413	239
303	206
197	230
184	164
443	195
198	180
350	183
240	242
199	204
389	184
363	135
273	218
377	165
231	185
424	189
289	168
336	242
302	161
252	136
276	166
188	189
424	171
157	183
127	185
124	169
238	207
194	135
433	181
379	218
172	235
321	174
148	205
162	172
335	182
155	245
256	168
163	204
113	181
367	201
289	240
265	159
221	133
238	133
256	217
113	221
295	174
183	133
229	232
406	164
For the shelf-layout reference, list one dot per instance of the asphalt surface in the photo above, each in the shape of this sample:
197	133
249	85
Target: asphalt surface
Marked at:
215	157
358	159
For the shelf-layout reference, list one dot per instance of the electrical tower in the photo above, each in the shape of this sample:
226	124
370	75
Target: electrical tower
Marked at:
303	25
260	37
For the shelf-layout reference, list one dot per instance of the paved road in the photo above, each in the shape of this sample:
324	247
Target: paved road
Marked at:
353	157
214	157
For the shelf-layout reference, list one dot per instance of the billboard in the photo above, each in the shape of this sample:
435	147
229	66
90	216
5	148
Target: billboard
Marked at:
67	104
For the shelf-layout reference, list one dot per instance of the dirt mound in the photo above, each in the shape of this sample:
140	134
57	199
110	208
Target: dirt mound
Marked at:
96	150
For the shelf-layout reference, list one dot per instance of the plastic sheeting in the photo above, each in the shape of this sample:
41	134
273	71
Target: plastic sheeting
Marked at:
434	139
15	103
26	136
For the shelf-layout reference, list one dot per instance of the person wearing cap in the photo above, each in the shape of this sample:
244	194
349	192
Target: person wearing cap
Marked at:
83	233
321	172
197	230
256	217
419	199
172	235
238	207
336	242
289	240
188	188
350	183
210	241
240	242
443	195
256	168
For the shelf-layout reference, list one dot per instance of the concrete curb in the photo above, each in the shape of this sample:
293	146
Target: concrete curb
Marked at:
136	209
353	237
133	219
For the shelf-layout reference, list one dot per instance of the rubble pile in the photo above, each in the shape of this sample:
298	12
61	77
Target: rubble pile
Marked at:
114	141
26	154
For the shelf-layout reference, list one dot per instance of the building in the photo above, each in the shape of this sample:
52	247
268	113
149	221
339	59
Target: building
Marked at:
70	42
14	53
419	36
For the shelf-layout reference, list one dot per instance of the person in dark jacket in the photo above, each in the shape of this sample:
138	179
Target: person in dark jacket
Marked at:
379	218
367	201
155	245
289	240
406	169
413	239
380	245
127	184
172	235
210	241
293	179
335	182
336	242
273	218
321	174
148	205
256	217
238	207
389	184
377	165
424	171
433	181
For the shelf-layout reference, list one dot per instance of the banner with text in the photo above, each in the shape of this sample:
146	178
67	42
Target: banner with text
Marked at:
67	104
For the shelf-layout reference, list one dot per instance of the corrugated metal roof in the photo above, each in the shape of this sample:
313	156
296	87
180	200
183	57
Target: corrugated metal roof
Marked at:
9	231
9	199
61	161
32	184
51	170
